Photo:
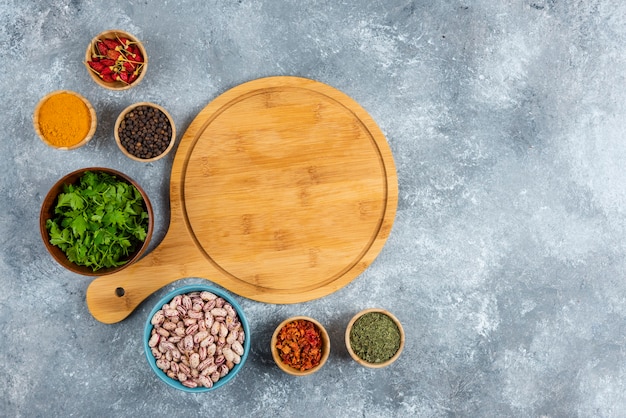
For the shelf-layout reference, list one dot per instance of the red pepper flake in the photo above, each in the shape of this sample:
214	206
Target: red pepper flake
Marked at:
299	344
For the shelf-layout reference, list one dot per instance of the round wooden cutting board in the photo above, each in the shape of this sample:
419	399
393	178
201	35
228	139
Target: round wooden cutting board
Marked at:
283	190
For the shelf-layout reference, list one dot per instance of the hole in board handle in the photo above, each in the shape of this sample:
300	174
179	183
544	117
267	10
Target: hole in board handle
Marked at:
119	292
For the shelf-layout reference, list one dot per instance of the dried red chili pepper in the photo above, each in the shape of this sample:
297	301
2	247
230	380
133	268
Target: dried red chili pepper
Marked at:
101	48
135	53
132	77
111	44
113	54
299	345
129	66
124	41
98	66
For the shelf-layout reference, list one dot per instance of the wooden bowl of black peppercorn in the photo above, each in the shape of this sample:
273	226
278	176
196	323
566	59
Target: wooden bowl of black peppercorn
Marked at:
145	132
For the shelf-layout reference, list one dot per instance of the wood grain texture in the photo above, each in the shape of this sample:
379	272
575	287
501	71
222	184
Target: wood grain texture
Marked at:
283	190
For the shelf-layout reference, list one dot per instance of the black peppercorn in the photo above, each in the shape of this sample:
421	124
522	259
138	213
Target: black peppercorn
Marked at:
145	132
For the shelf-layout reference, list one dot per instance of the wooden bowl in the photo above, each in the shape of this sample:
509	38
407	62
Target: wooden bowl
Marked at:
325	347
359	360
115	85
47	212
67	119
119	120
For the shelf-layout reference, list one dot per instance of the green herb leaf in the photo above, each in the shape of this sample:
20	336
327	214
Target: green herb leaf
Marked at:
79	226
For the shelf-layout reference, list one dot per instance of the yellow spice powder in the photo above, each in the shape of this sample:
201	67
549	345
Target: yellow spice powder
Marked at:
64	120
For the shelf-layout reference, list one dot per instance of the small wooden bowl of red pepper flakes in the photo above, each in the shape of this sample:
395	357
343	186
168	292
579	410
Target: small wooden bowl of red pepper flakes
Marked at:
300	346
116	60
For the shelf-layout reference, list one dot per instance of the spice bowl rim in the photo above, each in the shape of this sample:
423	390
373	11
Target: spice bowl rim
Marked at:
116	85
325	347
119	120
359	360
47	211
188	289
92	114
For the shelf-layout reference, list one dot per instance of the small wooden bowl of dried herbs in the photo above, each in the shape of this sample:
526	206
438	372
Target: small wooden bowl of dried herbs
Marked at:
374	338
96	221
116	60
145	132
300	346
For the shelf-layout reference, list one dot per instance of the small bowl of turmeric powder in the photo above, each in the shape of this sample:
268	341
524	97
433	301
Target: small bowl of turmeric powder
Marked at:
64	120
374	338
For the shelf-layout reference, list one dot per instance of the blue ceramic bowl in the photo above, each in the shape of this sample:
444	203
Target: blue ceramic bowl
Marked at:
166	299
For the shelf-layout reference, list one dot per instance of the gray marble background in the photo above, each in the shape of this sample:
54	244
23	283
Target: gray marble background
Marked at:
506	263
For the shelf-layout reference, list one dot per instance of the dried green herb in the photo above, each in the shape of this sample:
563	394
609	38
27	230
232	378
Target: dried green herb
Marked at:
374	337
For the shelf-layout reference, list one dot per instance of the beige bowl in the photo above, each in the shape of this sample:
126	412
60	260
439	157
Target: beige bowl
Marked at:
47	212
115	34
291	370
64	119
359	360
121	117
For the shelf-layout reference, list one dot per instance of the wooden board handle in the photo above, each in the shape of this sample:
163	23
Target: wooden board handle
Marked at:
112	298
